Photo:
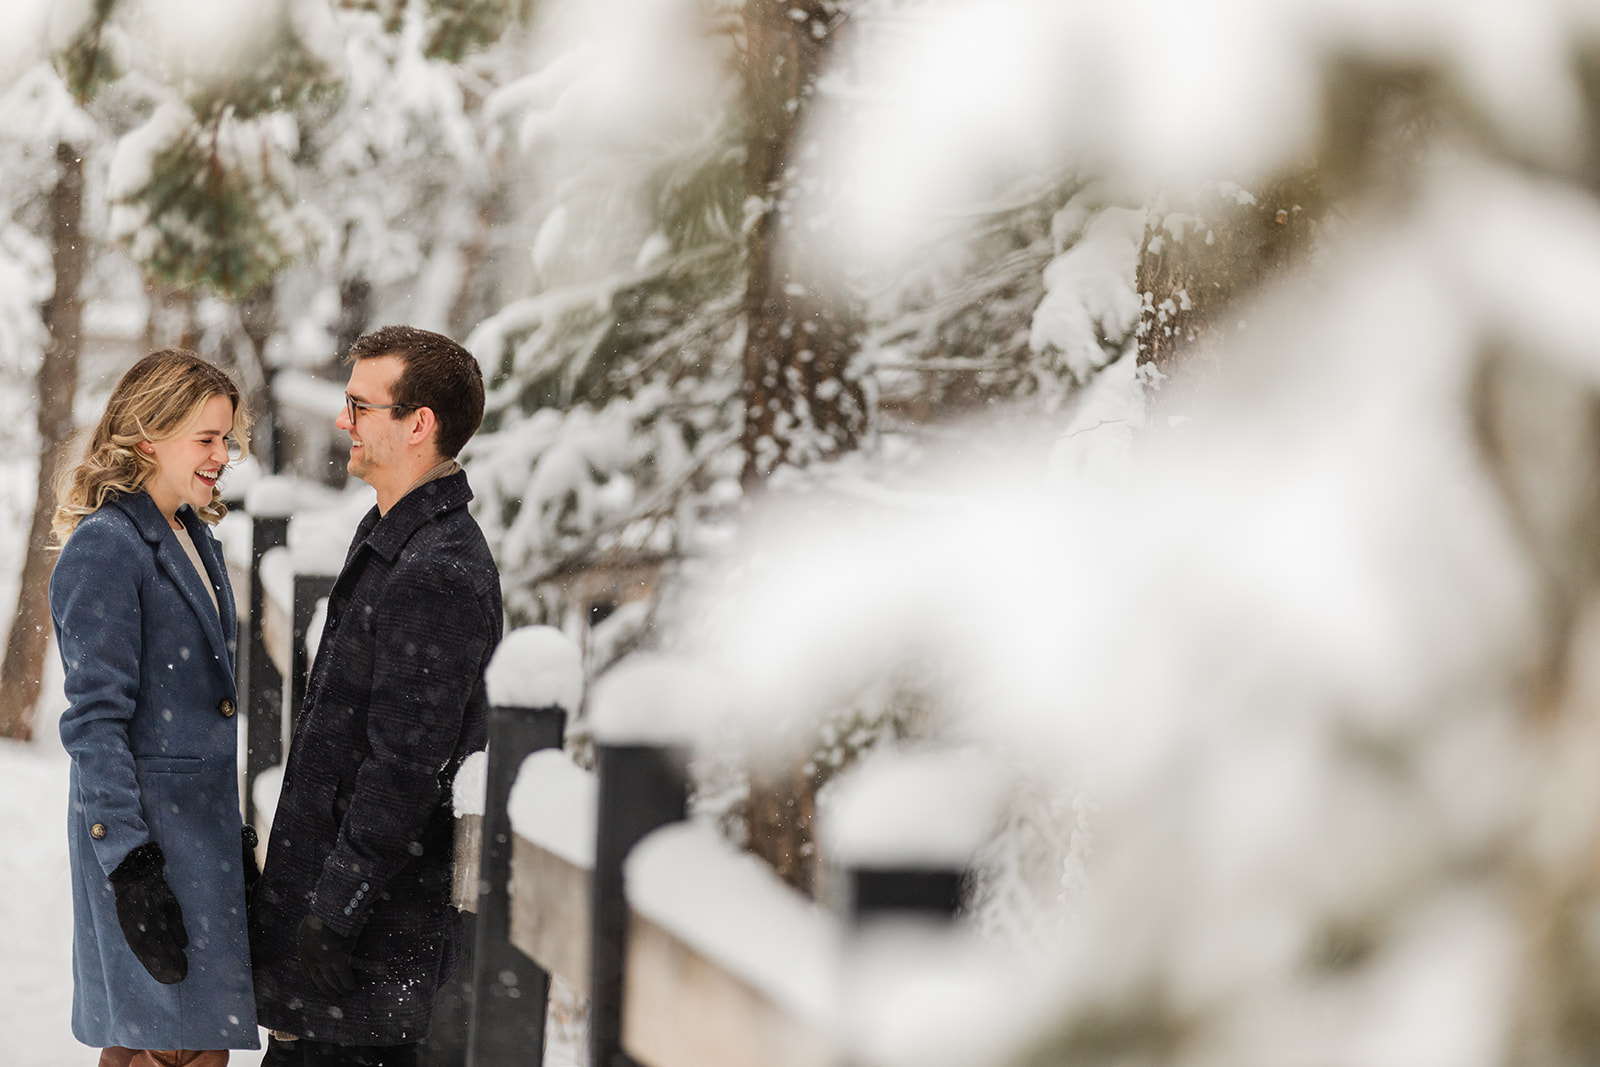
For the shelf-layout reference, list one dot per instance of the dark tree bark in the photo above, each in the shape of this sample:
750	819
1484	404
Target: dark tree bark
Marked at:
171	322
258	318
779	816
800	401
23	667
355	312
1200	261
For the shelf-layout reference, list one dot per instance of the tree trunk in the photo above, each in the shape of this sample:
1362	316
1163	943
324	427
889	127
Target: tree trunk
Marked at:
258	317
800	401
779	815
21	673
172	321
1198	264
355	313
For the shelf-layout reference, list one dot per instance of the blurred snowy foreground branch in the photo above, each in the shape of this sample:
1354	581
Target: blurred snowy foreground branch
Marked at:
1321	648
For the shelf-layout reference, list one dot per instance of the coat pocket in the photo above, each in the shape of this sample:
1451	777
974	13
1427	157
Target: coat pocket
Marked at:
168	764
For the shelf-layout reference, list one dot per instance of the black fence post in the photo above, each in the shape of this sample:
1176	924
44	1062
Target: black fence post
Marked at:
507	995
641	788
262	688
928	891
308	589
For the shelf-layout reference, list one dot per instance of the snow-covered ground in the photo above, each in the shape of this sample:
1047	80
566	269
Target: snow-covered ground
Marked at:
35	909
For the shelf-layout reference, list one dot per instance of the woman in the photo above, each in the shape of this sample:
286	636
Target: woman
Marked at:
144	618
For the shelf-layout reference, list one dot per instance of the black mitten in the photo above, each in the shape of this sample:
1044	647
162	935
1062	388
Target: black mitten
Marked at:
325	957
252	871
149	914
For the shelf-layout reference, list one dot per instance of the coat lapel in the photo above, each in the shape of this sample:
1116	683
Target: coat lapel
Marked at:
175	561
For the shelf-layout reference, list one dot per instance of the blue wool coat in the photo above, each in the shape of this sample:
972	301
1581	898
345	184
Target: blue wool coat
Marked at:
363	835
153	737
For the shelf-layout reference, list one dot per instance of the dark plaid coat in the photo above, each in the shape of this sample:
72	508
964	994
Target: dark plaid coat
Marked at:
363	831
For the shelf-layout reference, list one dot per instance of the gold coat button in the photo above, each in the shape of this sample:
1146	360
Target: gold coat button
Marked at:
226	708
98	831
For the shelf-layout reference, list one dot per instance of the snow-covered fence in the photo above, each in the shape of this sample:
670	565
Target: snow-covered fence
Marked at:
692	952
298	533
535	680
263	684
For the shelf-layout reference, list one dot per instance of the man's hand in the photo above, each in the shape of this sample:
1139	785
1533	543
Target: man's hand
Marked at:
247	857
325	957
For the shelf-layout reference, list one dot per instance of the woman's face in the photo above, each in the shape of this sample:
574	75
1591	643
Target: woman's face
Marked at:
189	462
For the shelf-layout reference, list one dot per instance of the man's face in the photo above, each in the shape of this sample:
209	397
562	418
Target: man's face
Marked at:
377	438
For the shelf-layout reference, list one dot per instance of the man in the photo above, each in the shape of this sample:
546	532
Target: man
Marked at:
351	925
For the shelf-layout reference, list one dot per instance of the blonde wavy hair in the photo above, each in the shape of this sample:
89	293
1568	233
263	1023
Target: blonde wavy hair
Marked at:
154	401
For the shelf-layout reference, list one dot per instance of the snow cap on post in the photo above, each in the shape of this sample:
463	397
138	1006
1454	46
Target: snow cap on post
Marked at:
536	667
655	700
318	540
272	497
470	790
911	810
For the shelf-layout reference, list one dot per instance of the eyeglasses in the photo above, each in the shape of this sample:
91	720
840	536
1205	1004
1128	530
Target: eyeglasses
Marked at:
354	407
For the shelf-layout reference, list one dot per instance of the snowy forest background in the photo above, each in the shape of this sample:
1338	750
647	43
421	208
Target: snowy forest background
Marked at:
1193	407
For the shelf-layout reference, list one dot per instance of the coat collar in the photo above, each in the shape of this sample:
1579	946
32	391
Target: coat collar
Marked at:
388	534
152	526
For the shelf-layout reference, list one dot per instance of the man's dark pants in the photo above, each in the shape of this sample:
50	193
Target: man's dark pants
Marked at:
322	1054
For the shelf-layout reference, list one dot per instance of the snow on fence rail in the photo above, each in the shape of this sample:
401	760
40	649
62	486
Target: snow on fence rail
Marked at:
726	964
553	808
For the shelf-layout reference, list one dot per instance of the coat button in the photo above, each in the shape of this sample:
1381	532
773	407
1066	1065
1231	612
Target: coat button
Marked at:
98	831
226	708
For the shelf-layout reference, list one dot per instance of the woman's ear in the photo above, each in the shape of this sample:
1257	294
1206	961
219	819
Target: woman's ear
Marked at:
147	448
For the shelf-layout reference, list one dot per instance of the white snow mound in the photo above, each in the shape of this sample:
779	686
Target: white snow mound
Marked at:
911	809
536	667
653	699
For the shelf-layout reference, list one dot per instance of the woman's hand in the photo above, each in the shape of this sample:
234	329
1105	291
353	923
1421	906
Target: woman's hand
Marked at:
149	914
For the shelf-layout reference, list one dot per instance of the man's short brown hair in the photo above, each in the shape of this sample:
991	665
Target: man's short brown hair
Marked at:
437	374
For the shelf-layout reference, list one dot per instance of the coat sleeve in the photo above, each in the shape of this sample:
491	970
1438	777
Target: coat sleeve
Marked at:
95	606
432	636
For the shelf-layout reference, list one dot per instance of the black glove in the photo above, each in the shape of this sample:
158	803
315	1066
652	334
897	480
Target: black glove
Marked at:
252	872
149	914
325	957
